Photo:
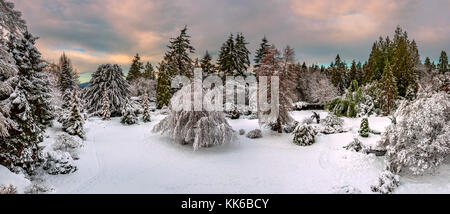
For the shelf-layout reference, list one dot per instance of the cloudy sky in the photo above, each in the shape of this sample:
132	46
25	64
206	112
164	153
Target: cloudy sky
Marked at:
93	32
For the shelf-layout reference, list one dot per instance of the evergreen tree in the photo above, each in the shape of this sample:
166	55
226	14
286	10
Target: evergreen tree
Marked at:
261	52
177	57
146	109
128	115
107	78
428	64
403	62
135	69
163	87
206	64
389	89
364	128
226	62
149	72
353	71
30	108
68	78
73	125
105	113
443	62
241	55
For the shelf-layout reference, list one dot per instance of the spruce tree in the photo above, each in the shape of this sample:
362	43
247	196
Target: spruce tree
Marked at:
163	87
110	78
389	89
149	72
68	78
135	69
261	52
206	65
128	115
353	71
146	109
241	55
226	62
105	113
364	128
427	64
443	62
73	125
177	57
30	108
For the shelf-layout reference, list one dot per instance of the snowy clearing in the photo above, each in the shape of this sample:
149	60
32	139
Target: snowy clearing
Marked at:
132	159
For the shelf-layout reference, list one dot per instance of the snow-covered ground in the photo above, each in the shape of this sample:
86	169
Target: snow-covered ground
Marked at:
132	159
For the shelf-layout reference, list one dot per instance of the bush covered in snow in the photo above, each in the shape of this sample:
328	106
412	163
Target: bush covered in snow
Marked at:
387	183
357	146
346	190
332	124
58	162
201	128
418	139
8	190
289	128
241	132
128	115
254	134
304	135
364	128
67	143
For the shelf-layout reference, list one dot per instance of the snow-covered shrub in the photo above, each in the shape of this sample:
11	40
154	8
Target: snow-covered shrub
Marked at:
8	190
316	117
332	124
201	128
315	87
36	189
254	134
67	143
418	140
387	183
356	146
142	86
346	190
58	162
146	109
73	123
304	135
289	128
105	112
241	132
364	128
128	115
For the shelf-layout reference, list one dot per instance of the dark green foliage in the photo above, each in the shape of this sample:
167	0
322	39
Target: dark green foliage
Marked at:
68	78
163	87
149	72
177	57
135	69
388	89
234	56
261	52
443	62
206	64
364	128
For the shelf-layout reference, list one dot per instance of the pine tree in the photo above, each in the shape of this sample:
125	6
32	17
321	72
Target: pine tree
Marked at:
206	64
110	78
146	109
68	78
226	62
443	62
10	19
105	113
135	69
364	128
128	115
389	89
241	55
261	52
73	125
163	87
428	64
353	71
177	57
30	108
149	72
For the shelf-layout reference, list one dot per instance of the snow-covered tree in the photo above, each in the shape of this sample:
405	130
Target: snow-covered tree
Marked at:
128	115
261	52
146	109
314	86
68	78
304	135
201	128
8	70
10	19
417	141
30	107
135	68
206	65
163	87
275	64
386	183
226	60
332	124
105	113
242	55
73	124
177	57
364	128
107	78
